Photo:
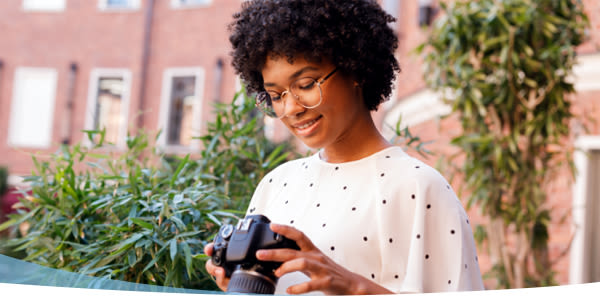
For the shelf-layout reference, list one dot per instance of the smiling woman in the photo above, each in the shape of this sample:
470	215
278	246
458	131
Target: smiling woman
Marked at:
368	218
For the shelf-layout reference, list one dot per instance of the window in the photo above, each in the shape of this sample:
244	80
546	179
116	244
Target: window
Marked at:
119	4
32	109
181	107
108	104
44	5
190	3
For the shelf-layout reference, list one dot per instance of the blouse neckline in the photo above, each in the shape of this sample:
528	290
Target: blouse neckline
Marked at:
317	157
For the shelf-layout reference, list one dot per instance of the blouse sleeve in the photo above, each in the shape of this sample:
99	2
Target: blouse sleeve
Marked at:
438	246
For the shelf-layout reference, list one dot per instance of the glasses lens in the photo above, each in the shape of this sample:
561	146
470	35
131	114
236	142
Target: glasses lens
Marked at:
307	92
264	103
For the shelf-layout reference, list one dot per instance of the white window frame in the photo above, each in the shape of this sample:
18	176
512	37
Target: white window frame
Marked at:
176	4
578	261
165	101
32	5
134	5
90	112
586	77
13	134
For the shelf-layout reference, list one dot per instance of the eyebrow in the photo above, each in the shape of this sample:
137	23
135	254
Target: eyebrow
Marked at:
294	75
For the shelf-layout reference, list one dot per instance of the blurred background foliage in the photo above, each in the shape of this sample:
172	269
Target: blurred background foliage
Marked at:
504	66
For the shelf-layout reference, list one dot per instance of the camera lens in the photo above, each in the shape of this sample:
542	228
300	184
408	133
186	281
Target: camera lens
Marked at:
244	281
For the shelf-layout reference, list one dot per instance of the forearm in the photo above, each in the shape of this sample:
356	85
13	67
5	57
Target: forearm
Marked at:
364	286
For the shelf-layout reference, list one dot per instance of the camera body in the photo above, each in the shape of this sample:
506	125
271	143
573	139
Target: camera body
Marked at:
235	249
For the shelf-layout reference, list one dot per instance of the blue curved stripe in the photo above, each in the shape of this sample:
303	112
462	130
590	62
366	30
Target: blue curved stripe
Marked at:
20	272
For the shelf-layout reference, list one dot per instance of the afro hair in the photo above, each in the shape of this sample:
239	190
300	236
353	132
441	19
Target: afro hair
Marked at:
352	34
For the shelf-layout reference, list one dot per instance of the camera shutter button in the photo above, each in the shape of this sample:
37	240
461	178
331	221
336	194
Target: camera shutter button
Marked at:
227	231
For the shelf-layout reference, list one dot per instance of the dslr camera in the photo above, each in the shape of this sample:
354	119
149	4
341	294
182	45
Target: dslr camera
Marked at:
235	249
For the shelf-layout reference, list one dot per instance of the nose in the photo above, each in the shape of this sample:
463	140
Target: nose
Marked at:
291	105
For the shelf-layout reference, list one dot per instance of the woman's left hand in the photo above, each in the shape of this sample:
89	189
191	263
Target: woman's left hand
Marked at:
326	275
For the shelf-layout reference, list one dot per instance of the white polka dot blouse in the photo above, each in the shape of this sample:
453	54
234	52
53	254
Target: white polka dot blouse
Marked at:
388	217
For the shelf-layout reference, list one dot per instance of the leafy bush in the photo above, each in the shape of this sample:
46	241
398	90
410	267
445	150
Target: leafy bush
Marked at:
142	216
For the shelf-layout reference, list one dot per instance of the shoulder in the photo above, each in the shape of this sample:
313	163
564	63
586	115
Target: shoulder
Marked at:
398	166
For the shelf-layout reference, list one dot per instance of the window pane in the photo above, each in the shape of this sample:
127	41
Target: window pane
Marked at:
181	110
108	107
179	3
32	108
51	5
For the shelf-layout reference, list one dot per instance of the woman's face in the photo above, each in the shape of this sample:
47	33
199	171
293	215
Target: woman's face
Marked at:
333	120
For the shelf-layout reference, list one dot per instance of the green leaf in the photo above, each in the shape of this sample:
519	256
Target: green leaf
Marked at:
173	248
142	223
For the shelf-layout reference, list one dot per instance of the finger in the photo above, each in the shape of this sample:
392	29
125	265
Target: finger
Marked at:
320	284
306	265
218	275
280	255
294	234
208	249
221	280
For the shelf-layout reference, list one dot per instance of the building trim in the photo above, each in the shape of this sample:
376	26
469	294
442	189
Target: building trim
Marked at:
577	265
586	73
165	98
90	110
134	5
417	108
176	4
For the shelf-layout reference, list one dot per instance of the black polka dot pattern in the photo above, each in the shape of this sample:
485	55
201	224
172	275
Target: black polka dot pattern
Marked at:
347	187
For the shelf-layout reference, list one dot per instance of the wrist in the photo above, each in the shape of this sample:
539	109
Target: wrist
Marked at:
364	286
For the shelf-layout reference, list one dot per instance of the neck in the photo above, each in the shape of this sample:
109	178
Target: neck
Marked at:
359	141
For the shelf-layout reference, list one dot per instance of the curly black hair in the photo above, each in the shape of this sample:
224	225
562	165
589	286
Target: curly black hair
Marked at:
352	34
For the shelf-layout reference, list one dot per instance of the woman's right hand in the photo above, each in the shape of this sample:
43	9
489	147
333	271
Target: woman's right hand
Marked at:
218	273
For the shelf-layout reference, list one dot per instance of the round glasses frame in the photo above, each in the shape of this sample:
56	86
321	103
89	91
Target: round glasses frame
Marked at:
264	100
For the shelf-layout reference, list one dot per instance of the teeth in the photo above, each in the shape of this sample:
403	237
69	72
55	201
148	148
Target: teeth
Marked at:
307	124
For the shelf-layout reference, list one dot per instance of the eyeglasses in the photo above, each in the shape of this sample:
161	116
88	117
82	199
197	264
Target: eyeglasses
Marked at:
306	91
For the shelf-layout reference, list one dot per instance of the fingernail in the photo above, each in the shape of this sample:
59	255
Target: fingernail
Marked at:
261	253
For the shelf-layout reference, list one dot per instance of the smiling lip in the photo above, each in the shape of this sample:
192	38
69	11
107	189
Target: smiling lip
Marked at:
306	127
